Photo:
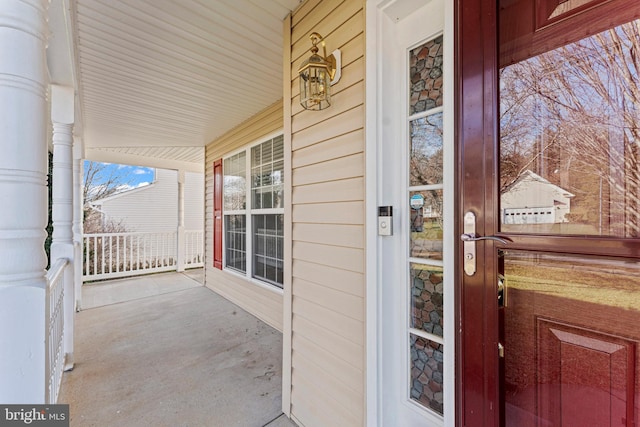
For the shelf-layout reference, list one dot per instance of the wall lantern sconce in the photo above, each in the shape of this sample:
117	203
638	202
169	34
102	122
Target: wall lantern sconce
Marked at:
317	75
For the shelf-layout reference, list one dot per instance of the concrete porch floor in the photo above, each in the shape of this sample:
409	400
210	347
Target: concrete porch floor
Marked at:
167	351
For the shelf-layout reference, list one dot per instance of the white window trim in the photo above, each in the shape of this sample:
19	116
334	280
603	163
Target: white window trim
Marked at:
248	213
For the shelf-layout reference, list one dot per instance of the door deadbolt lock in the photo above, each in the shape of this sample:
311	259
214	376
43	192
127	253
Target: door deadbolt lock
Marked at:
469	244
469	237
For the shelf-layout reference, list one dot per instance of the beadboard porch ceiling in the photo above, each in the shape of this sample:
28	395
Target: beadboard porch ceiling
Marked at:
160	79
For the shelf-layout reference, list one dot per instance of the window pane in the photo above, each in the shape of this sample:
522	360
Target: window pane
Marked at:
256	199
427	376
268	241
425	163
569	157
235	238
266	198
235	196
278	148
425	63
267	170
426	224
278	172
278	196
256	155
267	148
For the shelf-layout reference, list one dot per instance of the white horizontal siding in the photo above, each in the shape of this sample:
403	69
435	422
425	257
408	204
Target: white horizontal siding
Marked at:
154	208
149	209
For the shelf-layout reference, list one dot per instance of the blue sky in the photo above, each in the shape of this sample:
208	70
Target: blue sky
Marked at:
129	176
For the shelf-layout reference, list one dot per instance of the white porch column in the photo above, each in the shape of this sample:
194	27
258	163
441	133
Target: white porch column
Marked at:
181	238
23	194
78	217
62	116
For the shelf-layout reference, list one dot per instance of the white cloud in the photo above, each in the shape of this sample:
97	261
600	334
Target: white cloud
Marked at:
141	171
124	187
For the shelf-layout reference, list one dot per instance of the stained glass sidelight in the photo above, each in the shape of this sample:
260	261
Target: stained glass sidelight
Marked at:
425	180
425	90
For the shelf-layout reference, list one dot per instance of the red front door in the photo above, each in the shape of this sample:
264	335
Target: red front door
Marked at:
549	154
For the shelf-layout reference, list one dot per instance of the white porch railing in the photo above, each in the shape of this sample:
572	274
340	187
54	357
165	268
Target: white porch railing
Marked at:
113	255
56	277
194	248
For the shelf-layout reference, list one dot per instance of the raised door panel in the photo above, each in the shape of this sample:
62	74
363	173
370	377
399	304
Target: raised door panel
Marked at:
585	377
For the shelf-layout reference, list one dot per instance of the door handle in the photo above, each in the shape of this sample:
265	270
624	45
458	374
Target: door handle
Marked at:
472	237
469	237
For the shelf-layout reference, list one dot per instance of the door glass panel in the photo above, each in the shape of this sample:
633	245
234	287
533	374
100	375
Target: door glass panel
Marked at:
426	224
570	337
427	359
426	293
425	167
569	138
425	74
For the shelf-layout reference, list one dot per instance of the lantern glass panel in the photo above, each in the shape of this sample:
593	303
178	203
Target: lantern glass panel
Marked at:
314	88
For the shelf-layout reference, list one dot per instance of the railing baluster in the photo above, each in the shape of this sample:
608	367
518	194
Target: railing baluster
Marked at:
102	252
130	253
187	249
87	261
117	254
95	255
110	254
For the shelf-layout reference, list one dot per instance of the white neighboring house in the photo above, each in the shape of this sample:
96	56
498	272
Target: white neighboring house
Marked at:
531	199
154	207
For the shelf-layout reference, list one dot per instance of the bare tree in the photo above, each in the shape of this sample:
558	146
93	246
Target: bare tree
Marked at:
99	182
